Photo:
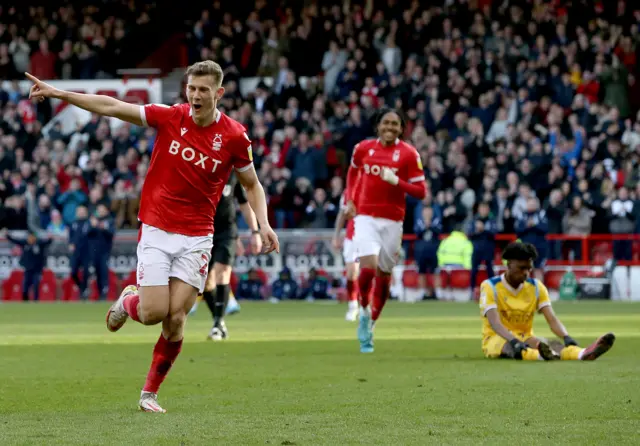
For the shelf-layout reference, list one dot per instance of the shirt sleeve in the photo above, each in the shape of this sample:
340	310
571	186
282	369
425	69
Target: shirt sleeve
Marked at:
543	296
415	171
153	115
356	157
243	155
487	298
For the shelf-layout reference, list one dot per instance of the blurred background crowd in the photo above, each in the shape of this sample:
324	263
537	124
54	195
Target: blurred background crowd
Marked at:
527	109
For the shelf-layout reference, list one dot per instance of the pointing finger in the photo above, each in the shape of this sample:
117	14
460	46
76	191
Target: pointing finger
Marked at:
31	77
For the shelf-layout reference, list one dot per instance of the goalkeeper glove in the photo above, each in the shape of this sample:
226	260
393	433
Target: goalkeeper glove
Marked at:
518	347
388	176
568	340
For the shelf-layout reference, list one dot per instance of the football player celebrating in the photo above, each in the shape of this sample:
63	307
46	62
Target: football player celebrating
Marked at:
386	169
508	304
195	150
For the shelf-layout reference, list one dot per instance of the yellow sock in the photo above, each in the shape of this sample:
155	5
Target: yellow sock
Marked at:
531	354
199	298
570	353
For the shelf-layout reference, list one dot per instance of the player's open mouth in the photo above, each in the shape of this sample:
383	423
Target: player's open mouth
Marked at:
197	107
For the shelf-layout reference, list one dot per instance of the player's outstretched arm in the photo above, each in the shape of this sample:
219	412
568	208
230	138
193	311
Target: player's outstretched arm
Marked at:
258	201
556	326
95	103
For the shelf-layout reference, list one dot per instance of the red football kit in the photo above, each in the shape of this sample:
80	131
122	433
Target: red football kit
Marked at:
189	168
376	197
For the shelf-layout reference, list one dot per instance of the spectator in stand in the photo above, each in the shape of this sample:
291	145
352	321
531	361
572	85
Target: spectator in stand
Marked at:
33	260
482	233
495	96
250	286
532	227
80	249
577	221
284	287
428	227
100	242
318	287
555	213
623	221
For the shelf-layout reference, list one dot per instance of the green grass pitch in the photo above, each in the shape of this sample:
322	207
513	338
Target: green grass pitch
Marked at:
291	374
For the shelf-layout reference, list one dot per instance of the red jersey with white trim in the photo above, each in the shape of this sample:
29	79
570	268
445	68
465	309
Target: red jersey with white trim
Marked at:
351	226
376	197
189	168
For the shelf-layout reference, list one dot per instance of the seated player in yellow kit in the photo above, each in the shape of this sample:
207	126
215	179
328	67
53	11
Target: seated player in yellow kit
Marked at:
508	304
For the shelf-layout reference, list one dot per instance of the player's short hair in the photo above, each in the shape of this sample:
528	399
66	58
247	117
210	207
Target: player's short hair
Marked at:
384	110
207	68
520	251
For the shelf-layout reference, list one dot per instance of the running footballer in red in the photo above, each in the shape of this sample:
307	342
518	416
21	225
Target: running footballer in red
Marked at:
386	169
195	150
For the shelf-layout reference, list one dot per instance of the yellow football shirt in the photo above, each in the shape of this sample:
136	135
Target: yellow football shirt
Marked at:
516	307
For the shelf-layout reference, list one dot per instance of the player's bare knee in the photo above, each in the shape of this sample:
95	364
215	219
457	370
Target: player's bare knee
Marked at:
352	271
150	315
176	321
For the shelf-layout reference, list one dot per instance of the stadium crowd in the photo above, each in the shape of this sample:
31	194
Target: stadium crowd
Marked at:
527	106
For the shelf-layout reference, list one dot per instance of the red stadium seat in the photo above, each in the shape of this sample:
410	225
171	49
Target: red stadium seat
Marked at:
137	95
264	278
234	282
410	278
131	279
552	279
444	279
460	278
108	92
48	289
70	290
114	286
12	286
480	277
94	294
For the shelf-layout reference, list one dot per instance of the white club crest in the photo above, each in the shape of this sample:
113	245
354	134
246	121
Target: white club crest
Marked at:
217	141
396	156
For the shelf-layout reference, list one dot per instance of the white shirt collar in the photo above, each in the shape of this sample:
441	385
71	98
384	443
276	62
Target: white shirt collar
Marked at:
396	142
215	110
509	287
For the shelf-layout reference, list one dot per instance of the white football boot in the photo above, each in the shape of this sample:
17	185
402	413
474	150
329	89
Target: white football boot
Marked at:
218	332
117	315
352	312
149	403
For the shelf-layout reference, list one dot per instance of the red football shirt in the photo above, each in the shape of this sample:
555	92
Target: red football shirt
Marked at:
189	168
376	197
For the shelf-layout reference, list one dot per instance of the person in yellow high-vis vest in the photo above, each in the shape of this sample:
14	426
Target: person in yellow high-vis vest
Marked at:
455	250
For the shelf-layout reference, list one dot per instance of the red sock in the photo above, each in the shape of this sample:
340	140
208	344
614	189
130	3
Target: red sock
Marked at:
364	283
381	291
131	306
164	354
352	290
